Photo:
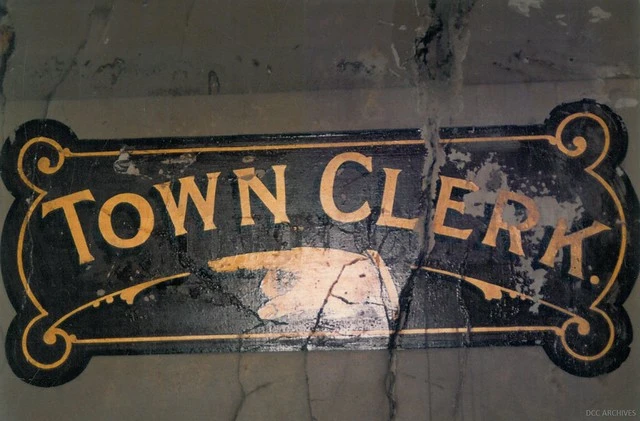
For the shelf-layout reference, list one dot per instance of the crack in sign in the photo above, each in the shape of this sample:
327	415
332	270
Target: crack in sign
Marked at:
300	281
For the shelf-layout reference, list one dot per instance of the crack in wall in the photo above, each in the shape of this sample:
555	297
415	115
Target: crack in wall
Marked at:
313	330
464	338
438	55
187	19
98	17
7	47
308	384
244	394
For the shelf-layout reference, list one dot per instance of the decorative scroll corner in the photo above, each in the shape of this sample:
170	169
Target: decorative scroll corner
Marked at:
595	345
45	165
37	148
599	343
588	130
40	356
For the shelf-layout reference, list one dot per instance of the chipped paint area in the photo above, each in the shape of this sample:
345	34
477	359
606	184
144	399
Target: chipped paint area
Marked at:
492	177
369	64
396	57
610	71
488	174
124	165
524	7
184	159
598	14
459	158
560	19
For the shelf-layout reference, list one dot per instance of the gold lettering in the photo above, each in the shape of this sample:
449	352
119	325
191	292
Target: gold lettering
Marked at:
188	189
67	204
388	200
146	220
497	222
277	205
444	203
574	240
327	183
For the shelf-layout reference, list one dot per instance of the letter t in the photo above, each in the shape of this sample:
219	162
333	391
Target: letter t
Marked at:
67	204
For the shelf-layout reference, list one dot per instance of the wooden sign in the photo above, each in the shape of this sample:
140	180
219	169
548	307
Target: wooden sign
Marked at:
361	240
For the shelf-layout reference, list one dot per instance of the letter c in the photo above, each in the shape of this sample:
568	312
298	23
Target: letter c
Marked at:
327	183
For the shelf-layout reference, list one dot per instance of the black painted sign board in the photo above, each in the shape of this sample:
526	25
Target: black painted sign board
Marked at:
512	235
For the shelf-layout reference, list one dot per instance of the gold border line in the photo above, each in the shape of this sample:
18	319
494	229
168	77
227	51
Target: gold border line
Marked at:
44	164
293	335
498	139
623	242
219	149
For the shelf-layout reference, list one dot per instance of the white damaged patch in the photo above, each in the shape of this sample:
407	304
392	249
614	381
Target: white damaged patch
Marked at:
524	6
396	57
491	177
124	165
534	289
459	158
184	159
612	71
597	14
626	103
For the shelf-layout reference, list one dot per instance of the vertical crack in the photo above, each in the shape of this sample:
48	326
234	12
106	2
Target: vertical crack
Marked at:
99	16
313	330
464	339
244	394
7	47
187	19
438	53
308	383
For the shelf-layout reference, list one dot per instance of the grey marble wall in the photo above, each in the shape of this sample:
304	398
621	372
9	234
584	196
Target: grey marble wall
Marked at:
161	68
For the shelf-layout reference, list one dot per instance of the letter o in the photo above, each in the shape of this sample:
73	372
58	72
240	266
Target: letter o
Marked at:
146	220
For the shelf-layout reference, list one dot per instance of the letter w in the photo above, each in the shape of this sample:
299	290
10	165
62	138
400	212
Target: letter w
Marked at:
188	189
